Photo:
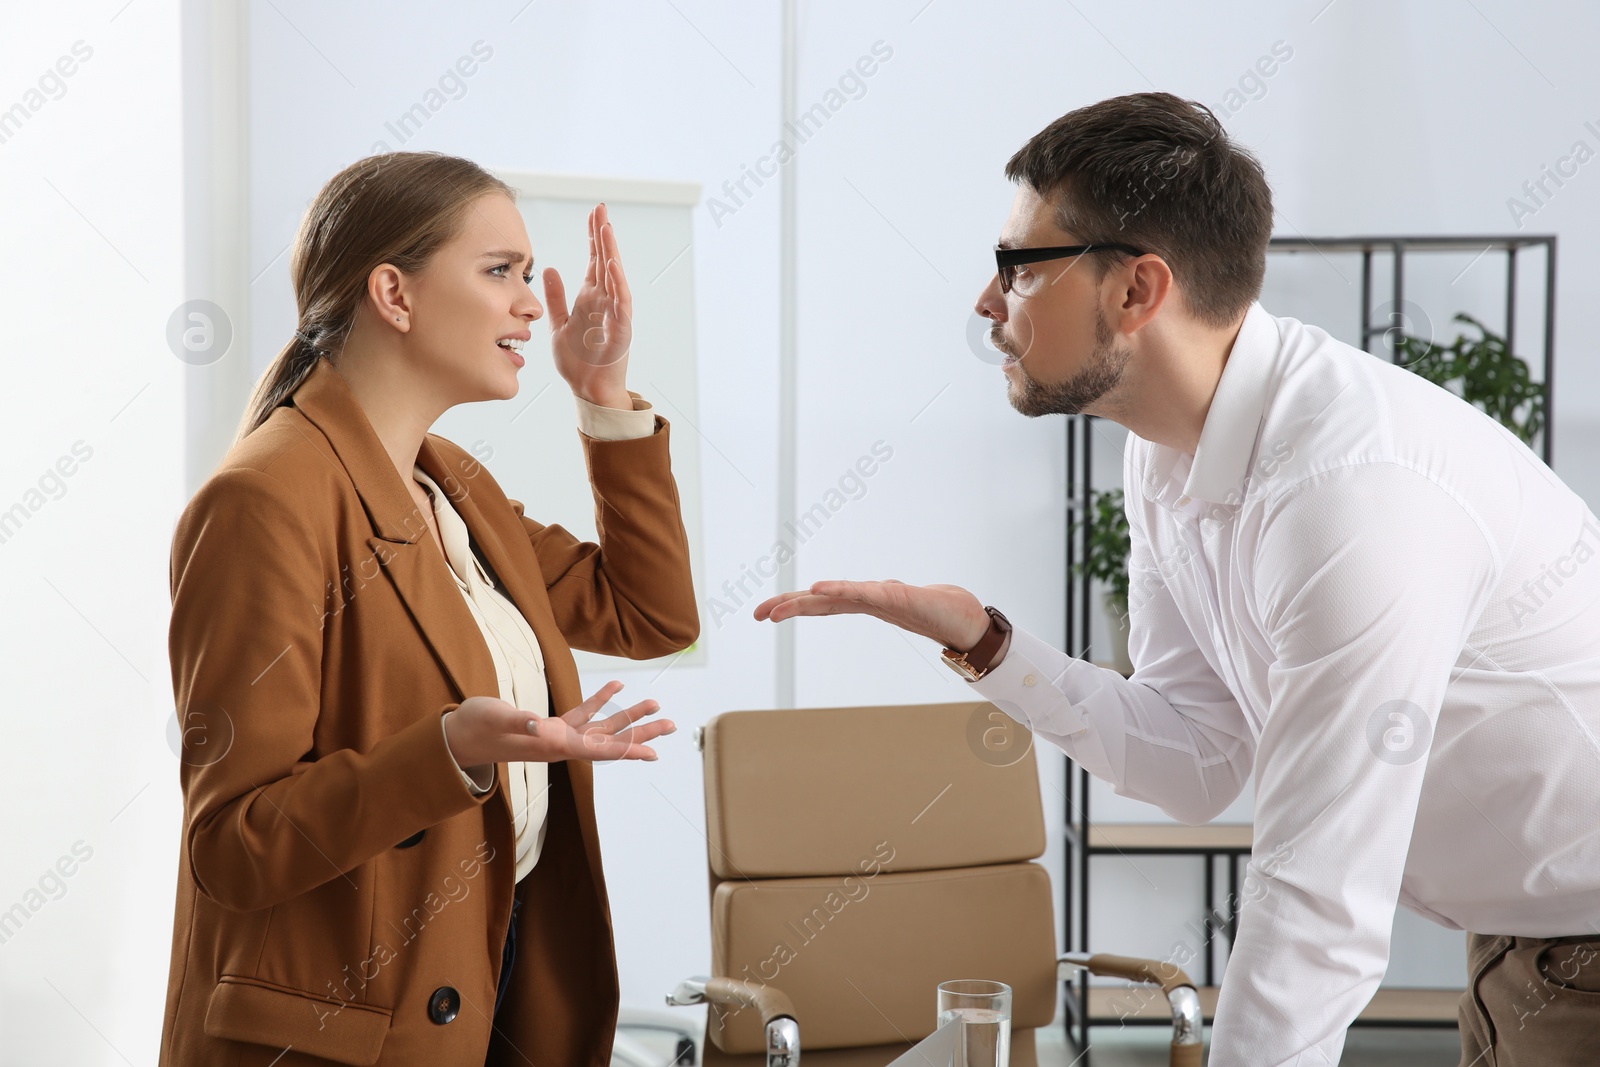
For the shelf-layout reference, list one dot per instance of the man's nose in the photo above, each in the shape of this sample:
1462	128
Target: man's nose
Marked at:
991	303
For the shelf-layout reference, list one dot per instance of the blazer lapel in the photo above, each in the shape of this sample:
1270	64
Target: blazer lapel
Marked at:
514	564
403	546
422	577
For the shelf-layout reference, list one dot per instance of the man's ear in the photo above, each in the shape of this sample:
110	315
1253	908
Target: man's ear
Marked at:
1148	284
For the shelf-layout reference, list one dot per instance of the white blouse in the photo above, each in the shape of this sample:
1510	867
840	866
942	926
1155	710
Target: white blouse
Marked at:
518	662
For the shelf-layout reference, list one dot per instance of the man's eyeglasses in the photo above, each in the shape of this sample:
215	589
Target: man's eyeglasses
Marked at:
1007	260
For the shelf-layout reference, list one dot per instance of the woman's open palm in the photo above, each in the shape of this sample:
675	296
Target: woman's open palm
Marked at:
589	342
490	730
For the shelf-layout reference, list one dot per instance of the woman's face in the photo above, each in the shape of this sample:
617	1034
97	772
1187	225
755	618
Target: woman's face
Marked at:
472	295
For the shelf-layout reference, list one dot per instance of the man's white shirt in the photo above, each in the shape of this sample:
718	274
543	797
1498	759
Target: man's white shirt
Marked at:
1379	600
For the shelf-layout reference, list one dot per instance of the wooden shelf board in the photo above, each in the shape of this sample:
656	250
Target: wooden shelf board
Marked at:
1432	1005
1171	837
1146	1004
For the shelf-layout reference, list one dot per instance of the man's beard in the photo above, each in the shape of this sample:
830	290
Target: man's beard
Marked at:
1097	377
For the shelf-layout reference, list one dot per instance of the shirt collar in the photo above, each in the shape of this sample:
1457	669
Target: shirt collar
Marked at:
1215	475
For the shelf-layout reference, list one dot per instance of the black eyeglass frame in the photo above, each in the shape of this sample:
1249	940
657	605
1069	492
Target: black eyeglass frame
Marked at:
1007	258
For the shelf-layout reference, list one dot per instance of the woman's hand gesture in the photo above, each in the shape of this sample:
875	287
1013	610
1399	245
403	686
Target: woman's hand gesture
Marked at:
590	343
486	730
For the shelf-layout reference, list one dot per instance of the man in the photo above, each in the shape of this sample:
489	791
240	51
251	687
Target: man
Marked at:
1344	579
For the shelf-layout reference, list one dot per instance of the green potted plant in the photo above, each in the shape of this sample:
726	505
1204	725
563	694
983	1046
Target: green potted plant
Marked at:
1106	561
1481	370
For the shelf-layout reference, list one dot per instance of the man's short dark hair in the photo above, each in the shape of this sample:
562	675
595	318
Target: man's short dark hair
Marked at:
1159	173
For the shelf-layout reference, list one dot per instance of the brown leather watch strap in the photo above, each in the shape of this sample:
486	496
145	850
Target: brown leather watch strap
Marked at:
986	652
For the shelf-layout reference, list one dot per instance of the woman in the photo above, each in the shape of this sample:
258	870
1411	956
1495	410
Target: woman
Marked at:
368	638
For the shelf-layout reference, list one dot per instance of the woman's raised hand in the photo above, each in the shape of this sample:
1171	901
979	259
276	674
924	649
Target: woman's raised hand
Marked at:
490	730
590	342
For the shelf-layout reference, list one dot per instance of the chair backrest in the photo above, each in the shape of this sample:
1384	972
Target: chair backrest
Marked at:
860	856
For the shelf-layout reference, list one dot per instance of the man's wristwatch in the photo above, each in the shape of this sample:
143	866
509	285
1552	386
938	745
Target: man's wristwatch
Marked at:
984	656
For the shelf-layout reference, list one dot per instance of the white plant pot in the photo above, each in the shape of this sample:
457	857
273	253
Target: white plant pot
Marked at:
1117	627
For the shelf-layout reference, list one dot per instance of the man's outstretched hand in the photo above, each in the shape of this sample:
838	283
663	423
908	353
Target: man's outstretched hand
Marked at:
946	613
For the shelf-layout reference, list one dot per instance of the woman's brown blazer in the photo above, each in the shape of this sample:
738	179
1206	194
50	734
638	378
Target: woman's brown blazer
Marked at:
342	895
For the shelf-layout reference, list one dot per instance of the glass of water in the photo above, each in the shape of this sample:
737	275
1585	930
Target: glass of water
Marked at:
984	1009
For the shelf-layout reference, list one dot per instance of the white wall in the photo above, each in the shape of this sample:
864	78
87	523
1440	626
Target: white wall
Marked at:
91	476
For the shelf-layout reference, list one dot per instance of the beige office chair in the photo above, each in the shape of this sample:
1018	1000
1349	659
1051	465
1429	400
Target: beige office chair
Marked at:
859	857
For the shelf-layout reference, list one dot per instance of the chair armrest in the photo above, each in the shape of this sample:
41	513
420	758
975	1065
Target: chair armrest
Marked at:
1180	991
774	1006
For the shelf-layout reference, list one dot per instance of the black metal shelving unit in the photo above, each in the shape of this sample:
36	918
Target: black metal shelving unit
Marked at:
1214	843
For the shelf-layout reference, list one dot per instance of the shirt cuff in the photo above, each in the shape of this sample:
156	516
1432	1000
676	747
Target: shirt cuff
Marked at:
1024	686
477	788
615	424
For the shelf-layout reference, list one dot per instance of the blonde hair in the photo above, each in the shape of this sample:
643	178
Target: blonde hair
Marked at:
397	208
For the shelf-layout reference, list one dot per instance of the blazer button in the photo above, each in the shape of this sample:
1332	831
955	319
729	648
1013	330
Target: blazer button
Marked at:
412	840
444	1005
